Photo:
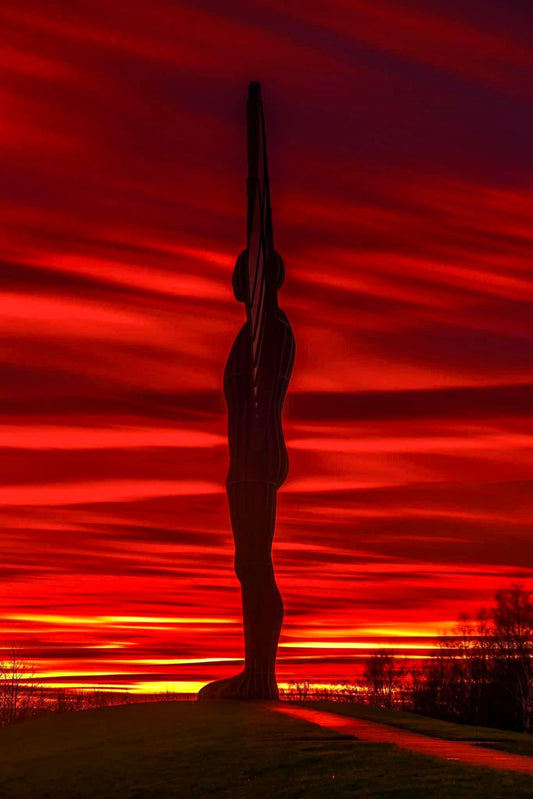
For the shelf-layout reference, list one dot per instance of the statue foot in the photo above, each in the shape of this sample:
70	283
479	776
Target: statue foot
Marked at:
246	685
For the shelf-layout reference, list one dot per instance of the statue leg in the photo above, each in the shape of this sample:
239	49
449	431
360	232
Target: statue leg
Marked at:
253	517
253	511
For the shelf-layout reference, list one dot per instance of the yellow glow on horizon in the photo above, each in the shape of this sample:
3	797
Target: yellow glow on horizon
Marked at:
404	630
173	661
166	620
173	687
89	686
51	618
70	673
413	631
368	645
170	686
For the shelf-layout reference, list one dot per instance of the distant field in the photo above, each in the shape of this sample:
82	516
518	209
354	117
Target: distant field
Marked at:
229	750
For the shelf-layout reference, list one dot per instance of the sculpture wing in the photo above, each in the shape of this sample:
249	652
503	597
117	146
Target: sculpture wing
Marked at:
259	225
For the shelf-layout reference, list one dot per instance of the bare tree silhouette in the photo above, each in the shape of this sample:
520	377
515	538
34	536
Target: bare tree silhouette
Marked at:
383	677
18	687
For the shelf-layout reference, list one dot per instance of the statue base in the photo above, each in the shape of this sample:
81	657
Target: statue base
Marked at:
244	686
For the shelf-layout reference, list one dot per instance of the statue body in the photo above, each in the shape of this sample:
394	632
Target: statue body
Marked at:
256	379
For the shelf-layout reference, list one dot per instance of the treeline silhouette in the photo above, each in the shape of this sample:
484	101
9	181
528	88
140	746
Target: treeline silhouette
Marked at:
484	673
23	697
480	674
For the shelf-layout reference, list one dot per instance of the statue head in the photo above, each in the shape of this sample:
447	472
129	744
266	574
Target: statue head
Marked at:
274	274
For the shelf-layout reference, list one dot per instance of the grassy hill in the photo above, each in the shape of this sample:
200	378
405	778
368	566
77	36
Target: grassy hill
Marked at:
229	750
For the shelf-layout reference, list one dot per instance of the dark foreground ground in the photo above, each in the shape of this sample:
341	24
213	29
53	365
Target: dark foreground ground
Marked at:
232	750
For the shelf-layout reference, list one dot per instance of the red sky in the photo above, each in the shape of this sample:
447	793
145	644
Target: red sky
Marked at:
401	161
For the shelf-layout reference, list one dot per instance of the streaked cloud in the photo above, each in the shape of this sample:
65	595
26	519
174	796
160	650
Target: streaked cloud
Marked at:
399	143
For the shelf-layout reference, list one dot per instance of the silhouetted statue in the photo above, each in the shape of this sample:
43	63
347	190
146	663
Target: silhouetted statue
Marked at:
256	378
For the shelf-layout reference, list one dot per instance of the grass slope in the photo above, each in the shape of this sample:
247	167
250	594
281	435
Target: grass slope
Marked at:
229	750
517	742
